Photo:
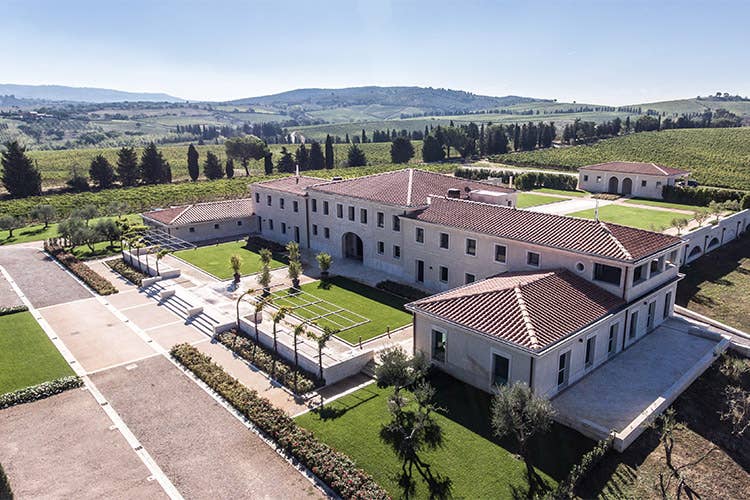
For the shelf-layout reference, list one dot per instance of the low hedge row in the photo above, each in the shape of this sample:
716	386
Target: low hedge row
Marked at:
700	195
4	311
99	284
41	391
5	489
334	468
405	291
126	270
265	359
532	180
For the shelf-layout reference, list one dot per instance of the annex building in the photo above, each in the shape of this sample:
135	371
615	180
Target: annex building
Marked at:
639	179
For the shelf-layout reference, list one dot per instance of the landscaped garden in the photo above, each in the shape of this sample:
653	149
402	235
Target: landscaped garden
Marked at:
27	356
526	200
477	464
643	218
364	311
214	259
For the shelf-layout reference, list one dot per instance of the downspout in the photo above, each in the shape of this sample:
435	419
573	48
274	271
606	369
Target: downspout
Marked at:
625	329
625	283
413	333
307	221
531	373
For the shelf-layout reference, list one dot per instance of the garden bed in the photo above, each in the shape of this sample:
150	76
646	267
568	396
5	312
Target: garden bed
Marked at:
40	391
127	271
99	284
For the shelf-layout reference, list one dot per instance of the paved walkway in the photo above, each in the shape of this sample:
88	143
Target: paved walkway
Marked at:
569	206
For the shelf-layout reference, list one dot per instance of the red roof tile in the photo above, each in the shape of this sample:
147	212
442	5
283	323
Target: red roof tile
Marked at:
557	231
409	187
533	310
633	167
292	184
203	212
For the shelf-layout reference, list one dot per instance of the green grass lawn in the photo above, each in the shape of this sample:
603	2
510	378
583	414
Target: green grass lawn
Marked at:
643	218
561	192
383	309
37	232
526	200
214	259
662	204
478	465
27	356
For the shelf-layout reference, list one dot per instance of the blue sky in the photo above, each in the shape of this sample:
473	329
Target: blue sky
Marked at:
605	51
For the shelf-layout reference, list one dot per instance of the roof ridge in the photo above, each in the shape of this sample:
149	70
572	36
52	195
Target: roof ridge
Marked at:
616	240
187	207
659	168
526	317
409	187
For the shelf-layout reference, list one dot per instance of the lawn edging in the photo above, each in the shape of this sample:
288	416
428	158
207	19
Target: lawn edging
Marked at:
40	391
98	283
335	469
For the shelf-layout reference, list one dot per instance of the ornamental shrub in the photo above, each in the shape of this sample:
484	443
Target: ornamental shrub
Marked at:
127	271
699	195
4	311
41	391
99	284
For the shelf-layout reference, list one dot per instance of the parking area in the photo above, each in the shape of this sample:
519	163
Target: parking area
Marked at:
202	448
63	447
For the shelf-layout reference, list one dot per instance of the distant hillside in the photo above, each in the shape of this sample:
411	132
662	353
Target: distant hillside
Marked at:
382	102
80	94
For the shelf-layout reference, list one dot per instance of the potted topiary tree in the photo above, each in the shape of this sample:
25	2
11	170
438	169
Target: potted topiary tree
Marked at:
236	262
295	265
324	263
264	277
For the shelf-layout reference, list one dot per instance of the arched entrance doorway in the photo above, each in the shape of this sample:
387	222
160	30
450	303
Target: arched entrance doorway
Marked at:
614	183
353	248
627	186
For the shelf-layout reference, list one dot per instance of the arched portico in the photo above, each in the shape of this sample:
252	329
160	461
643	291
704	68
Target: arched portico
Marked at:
627	186
614	184
352	246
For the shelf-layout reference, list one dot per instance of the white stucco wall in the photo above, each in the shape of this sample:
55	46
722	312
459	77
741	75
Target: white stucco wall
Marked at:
281	218
713	236
597	181
208	231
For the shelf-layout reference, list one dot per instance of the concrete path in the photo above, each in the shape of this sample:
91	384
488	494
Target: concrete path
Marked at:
569	206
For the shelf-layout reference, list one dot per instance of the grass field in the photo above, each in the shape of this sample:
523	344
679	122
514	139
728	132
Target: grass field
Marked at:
643	218
27	356
37	232
662	204
718	284
561	192
478	466
526	200
382	309
214	259
715	157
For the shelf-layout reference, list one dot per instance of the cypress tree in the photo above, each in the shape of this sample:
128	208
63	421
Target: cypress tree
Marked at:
302	158
192	163
127	167
316	159
329	152
230	168
268	164
212	167
286	162
364	136
432	150
20	176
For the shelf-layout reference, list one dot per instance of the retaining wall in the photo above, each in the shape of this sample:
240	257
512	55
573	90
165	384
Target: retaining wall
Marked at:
711	237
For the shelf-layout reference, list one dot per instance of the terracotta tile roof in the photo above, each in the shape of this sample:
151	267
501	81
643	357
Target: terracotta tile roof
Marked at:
633	167
533	310
409	187
292	184
203	212
557	231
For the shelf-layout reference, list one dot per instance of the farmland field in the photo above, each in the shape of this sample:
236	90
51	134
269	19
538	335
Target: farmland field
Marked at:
715	157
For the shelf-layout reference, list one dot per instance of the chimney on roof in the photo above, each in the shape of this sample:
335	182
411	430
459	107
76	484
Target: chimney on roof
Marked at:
454	193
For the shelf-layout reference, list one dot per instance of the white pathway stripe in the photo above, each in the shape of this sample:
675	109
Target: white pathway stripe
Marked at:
145	457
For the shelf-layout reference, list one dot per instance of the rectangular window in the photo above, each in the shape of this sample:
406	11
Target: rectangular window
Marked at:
216	226
270	224
639	274
607	274
643	183
239	222
471	246
283	228
420	235
633	328
657	265
598	179
469	278
351	213
315	229
281	203
326	233
585	178
268	200
381	219
651	315
438	346
381	247
296	234
396	252
501	252
500	370
396	223
295	206
444	274
325	208
667	304
532	259
590	352
563	369
257	197
612	340
314	204
192	230
339	210
363	215
444	240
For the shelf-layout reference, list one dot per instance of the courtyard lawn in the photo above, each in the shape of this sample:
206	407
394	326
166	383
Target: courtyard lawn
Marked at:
526	200
561	192
643	218
27	356
382	309
663	204
214	259
718	284
476	463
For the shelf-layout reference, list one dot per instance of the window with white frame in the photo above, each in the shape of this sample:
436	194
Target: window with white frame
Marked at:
533	259
363	215
444	240
295	206
396	252
339	210
381	247
396	223
469	278
501	253
439	340
612	340
281	203
500	370
351	213
314	205
326	233
381	219
419	236
471	246
563	369
590	352
325	207
315	229
444	274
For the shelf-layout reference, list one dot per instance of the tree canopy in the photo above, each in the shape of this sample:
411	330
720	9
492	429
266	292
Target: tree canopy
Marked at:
101	172
246	148
192	163
402	150
20	176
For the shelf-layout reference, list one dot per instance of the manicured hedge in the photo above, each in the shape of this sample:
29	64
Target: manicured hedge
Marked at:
532	180
41	391
480	174
5	490
126	270
405	291
266	360
700	195
336	469
99	284
12	310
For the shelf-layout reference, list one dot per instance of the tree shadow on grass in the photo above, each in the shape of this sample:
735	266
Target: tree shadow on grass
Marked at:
336	409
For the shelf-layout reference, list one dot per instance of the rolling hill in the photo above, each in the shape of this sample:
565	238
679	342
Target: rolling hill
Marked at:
81	94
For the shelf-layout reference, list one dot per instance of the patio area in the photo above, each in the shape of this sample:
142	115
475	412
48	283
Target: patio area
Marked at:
628	392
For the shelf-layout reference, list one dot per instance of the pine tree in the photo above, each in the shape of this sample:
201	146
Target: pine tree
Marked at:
230	168
329	152
192	163
101	172
401	150
127	167
286	162
212	167
317	161
154	168
356	157
20	176
432	150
